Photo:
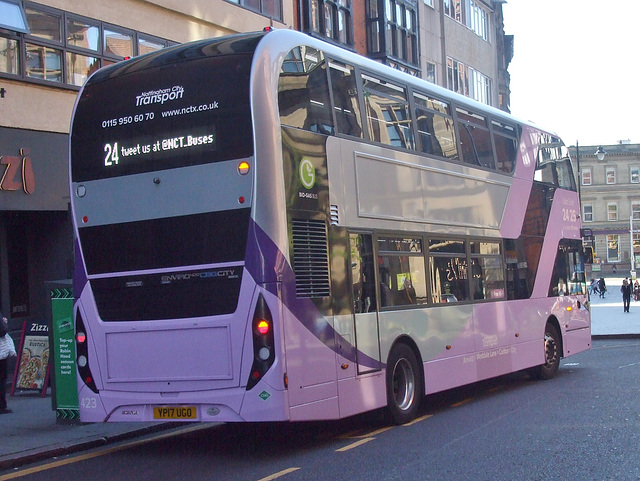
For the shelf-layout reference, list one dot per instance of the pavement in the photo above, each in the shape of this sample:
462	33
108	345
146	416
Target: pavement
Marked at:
31	433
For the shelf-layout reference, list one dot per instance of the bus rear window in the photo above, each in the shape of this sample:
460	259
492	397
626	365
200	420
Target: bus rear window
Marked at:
195	112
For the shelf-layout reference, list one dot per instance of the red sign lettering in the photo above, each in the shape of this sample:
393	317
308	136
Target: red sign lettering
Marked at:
18	173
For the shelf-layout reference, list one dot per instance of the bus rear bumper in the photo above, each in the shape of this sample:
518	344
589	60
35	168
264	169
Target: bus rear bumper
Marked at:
261	403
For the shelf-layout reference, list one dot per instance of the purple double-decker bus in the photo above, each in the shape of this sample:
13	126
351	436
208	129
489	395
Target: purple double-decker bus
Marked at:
271	228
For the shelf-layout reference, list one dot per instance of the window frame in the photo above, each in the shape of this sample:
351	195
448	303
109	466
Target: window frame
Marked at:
586	176
613	238
610	175
587	216
316	21
612	211
65	49
389	21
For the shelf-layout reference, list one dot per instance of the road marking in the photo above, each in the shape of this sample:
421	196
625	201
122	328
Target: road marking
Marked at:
458	404
101	452
417	420
279	474
629	365
354	435
354	445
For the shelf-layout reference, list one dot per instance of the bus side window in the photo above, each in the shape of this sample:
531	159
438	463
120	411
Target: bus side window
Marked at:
505	139
346	104
475	139
303	91
401	272
435	127
388	118
363	286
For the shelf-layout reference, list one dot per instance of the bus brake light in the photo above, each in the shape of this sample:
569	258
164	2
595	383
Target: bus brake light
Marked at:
81	337
263	327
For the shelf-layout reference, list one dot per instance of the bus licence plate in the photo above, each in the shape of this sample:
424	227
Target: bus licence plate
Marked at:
175	412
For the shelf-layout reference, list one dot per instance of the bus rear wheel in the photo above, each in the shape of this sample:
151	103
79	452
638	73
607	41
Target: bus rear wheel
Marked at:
404	384
551	355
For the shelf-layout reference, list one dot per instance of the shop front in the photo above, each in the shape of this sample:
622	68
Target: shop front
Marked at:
36	236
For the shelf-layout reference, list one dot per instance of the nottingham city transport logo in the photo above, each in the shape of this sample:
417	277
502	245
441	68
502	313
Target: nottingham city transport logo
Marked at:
307	174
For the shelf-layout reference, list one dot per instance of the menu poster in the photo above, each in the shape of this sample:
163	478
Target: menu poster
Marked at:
33	357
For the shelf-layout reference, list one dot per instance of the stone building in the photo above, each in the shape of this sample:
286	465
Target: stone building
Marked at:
609	182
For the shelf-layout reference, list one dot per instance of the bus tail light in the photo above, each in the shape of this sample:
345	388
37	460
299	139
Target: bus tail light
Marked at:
82	353
263	345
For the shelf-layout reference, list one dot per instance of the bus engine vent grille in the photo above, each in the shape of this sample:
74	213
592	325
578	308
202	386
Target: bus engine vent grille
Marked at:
310	258
335	216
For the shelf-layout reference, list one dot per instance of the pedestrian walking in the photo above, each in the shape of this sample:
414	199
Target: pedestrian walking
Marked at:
602	288
636	291
7	349
626	294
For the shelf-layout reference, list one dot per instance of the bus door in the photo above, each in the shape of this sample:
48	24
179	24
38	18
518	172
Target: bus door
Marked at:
364	303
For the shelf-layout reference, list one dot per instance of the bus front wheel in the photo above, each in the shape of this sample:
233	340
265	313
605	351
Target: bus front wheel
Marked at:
551	355
404	384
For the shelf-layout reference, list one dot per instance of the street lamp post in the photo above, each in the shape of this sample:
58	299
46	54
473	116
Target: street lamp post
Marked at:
633	260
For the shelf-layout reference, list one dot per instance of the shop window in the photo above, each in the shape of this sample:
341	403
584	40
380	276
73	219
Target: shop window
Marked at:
613	248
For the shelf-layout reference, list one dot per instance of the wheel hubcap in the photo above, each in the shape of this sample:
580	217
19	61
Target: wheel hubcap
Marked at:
403	384
550	349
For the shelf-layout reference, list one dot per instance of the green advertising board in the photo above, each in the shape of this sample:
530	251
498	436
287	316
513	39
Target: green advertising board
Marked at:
64	355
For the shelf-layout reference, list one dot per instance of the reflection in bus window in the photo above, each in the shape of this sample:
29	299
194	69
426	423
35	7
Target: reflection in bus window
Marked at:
505	138
487	278
435	127
475	139
401	272
449	279
303	91
362	273
554	166
568	272
387	113
345	99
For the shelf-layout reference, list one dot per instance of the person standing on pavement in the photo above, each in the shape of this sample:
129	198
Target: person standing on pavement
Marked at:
7	349
626	294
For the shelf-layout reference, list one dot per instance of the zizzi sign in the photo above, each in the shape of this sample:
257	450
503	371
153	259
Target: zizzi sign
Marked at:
18	173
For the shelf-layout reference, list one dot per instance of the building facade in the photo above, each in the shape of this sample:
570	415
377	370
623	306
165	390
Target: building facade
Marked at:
48	48
610	197
457	44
